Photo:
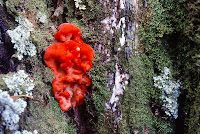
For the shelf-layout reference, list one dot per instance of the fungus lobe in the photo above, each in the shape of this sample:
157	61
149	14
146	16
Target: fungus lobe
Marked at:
69	60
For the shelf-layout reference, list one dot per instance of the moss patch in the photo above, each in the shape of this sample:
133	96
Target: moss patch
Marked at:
135	104
48	119
17	7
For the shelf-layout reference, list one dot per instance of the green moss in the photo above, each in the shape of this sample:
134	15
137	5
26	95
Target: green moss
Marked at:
168	33
2	83
70	5
93	11
189	75
43	112
160	58
193	120
153	26
16	7
35	5
42	37
11	6
135	104
48	119
100	79
101	94
79	24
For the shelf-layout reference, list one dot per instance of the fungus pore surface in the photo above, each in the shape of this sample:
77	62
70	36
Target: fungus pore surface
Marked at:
69	60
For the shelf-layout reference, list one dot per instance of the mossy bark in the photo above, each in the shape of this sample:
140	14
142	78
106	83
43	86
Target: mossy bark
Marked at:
150	44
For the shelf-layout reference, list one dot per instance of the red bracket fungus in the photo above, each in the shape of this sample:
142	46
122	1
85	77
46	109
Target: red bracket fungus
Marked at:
69	60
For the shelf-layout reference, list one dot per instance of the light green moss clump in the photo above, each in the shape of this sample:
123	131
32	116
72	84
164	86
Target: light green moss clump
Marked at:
35	5
49	119
11	4
43	112
42	37
168	35
97	74
100	92
17	7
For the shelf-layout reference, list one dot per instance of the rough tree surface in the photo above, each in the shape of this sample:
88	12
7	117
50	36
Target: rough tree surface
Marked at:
145	76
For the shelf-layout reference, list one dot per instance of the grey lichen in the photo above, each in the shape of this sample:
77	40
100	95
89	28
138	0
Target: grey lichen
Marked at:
10	111
79	4
170	92
20	37
41	17
19	83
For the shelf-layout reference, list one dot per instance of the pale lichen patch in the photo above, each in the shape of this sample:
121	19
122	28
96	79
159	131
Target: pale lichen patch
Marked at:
19	83
79	4
20	37
41	17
